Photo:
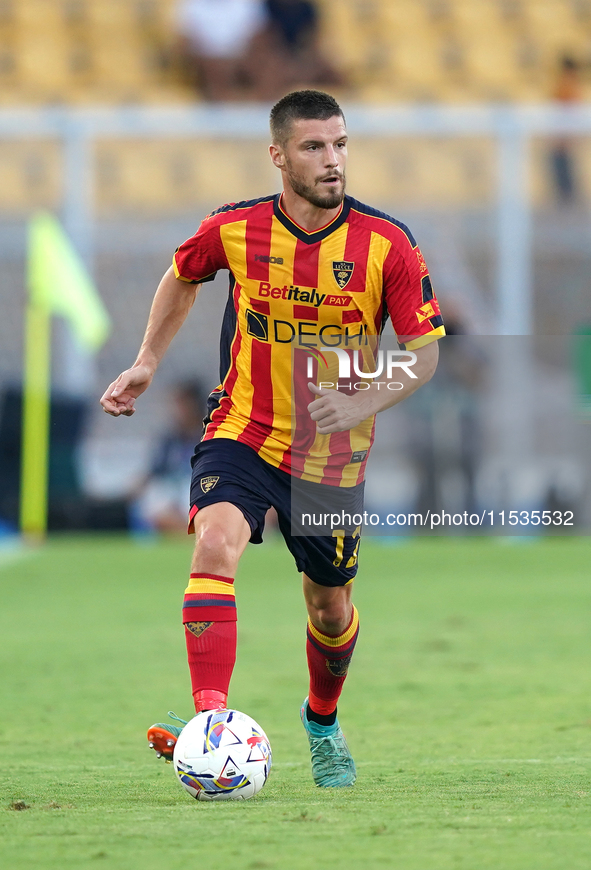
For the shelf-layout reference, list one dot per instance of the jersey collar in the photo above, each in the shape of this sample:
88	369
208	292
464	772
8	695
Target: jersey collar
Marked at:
318	235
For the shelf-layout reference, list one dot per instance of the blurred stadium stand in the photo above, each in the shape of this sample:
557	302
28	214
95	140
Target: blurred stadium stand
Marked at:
81	51
148	192
122	52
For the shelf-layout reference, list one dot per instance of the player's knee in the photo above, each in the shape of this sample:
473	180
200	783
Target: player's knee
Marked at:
332	617
216	549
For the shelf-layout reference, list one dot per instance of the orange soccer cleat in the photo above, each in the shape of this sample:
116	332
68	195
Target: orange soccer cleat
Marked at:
162	737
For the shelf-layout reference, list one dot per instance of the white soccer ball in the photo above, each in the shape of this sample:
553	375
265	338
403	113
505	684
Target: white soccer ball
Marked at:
222	755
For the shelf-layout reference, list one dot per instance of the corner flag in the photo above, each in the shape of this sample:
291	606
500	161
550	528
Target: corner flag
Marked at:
58	283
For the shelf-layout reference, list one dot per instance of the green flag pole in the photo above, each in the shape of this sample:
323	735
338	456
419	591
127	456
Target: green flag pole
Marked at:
35	421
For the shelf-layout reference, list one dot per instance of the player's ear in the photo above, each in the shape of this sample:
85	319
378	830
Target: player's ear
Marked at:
277	156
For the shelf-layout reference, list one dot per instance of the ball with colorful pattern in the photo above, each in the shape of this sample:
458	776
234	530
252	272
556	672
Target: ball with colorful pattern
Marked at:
222	755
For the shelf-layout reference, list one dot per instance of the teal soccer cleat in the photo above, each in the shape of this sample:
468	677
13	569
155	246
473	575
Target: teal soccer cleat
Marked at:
332	764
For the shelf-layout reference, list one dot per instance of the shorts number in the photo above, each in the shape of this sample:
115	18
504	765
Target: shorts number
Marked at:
339	534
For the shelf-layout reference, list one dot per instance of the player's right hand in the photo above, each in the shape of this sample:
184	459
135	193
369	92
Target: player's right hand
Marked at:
119	397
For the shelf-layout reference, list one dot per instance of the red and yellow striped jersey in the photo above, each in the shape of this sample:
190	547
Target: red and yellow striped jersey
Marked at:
294	296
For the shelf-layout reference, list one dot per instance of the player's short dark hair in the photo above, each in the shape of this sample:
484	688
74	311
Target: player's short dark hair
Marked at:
301	105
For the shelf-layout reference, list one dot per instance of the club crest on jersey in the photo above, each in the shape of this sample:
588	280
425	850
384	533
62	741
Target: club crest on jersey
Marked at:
342	271
208	483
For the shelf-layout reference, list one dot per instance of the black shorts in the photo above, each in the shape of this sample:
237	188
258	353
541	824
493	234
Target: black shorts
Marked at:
226	470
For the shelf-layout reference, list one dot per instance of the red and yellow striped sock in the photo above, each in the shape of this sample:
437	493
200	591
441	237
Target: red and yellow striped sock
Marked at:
328	662
209	617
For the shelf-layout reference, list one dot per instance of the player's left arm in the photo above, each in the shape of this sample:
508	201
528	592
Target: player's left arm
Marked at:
333	411
417	322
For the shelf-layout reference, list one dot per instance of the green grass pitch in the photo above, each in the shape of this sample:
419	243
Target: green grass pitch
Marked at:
467	709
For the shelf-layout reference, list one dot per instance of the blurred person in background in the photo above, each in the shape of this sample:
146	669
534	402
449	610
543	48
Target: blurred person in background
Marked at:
161	500
216	39
568	91
446	438
294	38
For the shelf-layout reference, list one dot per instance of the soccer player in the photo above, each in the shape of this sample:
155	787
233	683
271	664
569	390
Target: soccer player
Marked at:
311	270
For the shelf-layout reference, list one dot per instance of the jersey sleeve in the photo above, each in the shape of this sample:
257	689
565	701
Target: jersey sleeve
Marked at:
198	259
409	297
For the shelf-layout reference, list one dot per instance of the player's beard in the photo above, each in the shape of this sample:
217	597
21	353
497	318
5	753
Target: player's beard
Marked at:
327	199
